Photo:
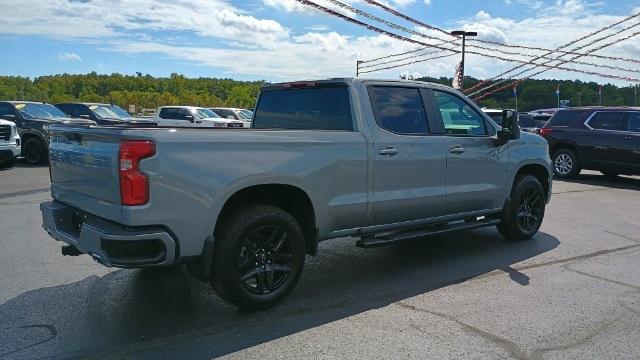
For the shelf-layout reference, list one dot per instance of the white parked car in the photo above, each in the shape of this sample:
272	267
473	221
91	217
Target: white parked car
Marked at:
191	116
9	143
243	115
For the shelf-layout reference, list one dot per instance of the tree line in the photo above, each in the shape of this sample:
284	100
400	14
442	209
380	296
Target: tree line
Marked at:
146	91
143	91
541	94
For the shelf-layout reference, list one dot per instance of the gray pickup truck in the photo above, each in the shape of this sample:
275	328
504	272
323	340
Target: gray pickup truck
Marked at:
376	161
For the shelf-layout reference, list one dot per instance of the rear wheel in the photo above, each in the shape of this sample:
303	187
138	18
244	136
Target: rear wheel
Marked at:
523	216
565	164
34	151
258	257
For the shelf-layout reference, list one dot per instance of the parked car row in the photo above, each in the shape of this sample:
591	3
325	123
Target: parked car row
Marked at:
24	124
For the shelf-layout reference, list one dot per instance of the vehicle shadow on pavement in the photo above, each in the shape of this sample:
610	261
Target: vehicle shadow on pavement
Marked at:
619	182
166	314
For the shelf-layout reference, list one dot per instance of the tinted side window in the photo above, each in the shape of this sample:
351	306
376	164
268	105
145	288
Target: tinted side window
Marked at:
66	108
459	117
607	121
168	113
399	110
564	117
81	110
634	122
6	109
323	108
526	121
181	114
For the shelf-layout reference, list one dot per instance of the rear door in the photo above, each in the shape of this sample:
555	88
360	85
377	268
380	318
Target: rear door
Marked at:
609	148
633	140
409	157
476	167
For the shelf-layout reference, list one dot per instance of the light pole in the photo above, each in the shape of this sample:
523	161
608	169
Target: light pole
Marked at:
464	35
358	62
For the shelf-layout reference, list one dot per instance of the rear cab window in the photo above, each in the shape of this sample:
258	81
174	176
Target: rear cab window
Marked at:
399	109
313	107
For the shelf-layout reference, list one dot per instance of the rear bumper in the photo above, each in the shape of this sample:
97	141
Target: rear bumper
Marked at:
108	243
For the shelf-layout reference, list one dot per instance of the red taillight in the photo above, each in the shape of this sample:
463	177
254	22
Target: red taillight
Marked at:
134	185
545	131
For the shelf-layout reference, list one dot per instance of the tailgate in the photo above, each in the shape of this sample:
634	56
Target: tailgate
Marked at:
84	161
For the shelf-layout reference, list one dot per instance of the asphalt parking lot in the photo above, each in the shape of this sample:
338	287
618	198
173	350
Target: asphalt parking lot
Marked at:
571	293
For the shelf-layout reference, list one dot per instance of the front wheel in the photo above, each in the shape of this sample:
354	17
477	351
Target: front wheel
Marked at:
258	257
34	151
523	216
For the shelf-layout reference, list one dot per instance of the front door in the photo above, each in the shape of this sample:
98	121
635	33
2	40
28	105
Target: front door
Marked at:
409	159
476	162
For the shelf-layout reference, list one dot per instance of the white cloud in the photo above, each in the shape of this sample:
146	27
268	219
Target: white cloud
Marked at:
244	44
67	56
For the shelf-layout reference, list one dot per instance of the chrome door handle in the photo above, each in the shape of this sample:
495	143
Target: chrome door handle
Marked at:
458	149
388	151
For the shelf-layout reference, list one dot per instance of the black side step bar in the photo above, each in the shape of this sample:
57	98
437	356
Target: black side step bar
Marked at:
378	241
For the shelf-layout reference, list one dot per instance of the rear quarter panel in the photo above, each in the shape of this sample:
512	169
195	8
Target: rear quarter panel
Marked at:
194	172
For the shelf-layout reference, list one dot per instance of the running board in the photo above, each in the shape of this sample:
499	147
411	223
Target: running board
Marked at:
373	241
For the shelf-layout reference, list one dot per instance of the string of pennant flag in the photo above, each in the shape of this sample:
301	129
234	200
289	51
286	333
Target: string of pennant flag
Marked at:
447	47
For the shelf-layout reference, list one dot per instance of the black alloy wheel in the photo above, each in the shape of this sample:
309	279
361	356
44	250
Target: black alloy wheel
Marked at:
530	208
265	259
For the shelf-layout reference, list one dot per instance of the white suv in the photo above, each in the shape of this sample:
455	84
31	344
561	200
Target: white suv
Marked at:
9	143
191	116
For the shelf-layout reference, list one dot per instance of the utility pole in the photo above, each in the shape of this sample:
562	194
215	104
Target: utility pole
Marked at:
464	35
358	62
579	98
635	95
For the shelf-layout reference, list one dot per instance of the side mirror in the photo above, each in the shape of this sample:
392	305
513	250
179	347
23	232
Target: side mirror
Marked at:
510	127
87	117
189	117
9	117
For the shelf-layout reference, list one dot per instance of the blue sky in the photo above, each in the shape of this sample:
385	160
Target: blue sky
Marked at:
280	39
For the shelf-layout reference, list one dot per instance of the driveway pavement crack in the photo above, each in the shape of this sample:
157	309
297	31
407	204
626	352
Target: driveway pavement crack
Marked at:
512	348
603	278
538	353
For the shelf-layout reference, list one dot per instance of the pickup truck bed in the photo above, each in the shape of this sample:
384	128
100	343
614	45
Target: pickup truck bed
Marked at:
343	157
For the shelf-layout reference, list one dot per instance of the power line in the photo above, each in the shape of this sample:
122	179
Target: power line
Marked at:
565	52
536	65
420	23
545	70
559	48
404	38
407	63
611	67
401	59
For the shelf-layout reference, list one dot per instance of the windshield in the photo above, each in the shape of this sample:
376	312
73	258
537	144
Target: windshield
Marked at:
246	114
203	113
39	111
110	112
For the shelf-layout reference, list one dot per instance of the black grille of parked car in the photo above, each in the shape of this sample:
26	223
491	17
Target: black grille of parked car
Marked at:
5	132
234	125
